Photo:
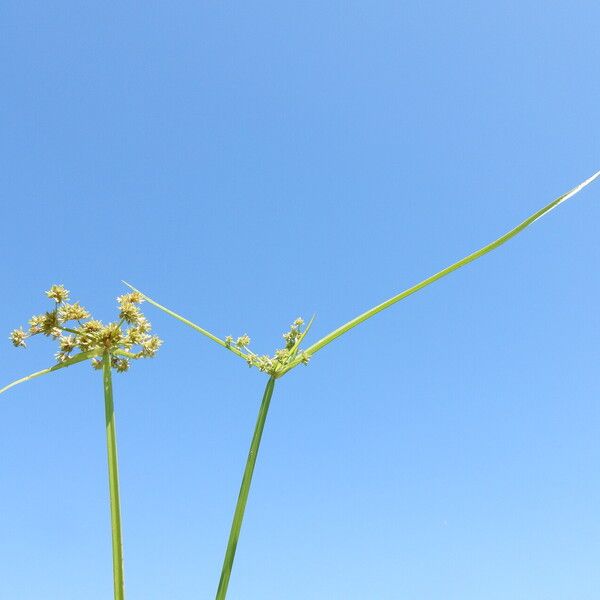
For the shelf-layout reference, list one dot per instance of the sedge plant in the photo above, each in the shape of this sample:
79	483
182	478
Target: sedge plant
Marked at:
291	355
111	346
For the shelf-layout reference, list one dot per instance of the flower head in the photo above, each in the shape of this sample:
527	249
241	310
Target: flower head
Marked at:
91	335
120	364
49	322
243	341
273	365
132	298
18	337
129	312
58	293
150	346
72	312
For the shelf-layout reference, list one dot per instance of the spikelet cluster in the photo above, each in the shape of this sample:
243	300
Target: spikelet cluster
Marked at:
74	329
273	365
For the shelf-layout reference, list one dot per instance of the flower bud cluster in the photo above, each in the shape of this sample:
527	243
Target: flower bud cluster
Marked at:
281	357
72	326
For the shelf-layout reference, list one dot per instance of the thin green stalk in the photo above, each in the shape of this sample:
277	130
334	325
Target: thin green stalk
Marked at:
113	481
238	516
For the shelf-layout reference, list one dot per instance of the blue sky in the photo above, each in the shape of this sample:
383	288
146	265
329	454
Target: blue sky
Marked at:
246	163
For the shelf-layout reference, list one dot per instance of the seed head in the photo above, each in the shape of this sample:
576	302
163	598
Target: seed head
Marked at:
281	358
120	364
133	336
61	356
91	335
243	341
130	313
18	337
143	325
150	346
109	336
68	343
36	324
72	312
49	323
58	293
132	298
91	327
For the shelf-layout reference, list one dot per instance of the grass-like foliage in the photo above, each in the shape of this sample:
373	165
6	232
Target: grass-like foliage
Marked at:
111	346
115	345
291	355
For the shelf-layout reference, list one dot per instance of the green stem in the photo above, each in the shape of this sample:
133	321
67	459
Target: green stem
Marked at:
70	330
113	481
238	516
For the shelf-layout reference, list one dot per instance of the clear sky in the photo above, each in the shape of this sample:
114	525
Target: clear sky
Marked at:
247	163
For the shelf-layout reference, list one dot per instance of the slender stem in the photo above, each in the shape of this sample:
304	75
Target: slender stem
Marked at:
113	482
70	330
238	516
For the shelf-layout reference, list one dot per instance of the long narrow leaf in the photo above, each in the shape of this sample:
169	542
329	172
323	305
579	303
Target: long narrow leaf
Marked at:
76	359
419	286
208	334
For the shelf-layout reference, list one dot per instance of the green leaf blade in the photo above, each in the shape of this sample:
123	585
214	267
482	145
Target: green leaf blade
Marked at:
457	265
187	322
76	359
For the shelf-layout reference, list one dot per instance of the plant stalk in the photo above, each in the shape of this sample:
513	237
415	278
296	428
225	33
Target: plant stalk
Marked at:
238	516
113	482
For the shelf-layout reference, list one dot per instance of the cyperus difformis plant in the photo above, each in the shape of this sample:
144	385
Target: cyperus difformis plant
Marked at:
111	346
291	355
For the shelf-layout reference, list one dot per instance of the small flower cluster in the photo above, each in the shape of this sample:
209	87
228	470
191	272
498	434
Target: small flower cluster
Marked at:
68	325
281	358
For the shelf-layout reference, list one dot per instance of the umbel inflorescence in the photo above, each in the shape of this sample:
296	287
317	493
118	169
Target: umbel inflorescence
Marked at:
73	328
273	365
